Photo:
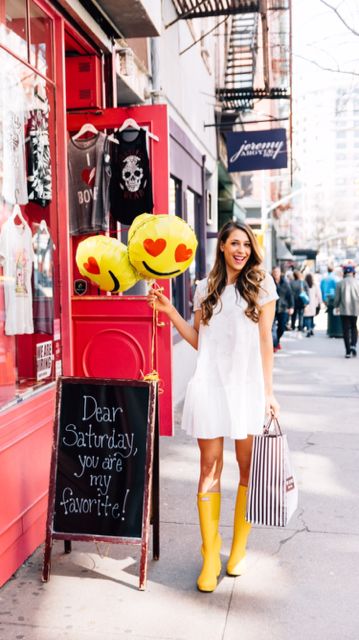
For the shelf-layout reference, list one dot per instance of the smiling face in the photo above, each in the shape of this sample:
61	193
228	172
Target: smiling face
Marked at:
105	262
236	251
161	246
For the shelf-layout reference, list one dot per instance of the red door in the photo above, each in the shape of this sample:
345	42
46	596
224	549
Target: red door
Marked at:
112	335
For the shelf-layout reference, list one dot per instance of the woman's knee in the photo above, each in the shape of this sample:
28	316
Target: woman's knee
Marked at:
211	466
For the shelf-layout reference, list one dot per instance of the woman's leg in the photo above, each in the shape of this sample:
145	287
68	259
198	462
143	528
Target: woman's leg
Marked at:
211	464
209	505
300	319
241	529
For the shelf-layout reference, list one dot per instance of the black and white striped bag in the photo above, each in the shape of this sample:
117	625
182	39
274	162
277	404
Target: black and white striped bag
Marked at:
272	495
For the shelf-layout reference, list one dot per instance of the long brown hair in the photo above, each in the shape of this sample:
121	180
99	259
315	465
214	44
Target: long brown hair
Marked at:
248	280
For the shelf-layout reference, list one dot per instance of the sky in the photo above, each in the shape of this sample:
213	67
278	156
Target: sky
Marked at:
320	39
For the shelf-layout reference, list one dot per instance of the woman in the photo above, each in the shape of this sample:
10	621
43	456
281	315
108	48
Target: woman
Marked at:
315	300
231	389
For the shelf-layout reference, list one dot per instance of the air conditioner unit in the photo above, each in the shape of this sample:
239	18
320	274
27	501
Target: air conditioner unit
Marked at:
83	82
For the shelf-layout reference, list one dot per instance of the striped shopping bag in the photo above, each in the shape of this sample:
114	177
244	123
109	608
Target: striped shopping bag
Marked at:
272	495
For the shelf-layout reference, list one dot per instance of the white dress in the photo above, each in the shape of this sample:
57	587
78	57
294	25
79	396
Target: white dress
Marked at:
225	396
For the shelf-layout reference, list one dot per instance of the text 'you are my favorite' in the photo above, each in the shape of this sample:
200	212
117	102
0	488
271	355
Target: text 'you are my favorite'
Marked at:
100	444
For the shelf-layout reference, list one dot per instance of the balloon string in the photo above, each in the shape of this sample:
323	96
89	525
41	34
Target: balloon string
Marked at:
153	375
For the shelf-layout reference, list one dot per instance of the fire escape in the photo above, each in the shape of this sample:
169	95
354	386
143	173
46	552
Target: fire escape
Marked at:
239	91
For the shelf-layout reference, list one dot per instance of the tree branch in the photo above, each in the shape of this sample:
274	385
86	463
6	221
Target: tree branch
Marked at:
338	70
339	15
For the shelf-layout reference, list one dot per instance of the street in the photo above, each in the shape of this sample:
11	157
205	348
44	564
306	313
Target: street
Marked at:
301	582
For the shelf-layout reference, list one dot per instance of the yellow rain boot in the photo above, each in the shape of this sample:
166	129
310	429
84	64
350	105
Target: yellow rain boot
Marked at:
241	529
209	505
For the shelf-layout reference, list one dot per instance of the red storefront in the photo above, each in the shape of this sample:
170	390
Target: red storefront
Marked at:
61	328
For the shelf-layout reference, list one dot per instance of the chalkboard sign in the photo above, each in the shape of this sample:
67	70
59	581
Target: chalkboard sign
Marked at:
102	464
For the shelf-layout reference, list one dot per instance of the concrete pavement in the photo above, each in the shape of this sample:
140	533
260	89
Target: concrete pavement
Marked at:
301	582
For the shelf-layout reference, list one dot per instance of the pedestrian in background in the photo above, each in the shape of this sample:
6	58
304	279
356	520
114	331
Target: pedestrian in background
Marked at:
284	305
313	307
328	285
347	302
298	286
231	389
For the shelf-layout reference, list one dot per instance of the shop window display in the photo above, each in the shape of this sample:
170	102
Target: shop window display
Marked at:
30	354
14	29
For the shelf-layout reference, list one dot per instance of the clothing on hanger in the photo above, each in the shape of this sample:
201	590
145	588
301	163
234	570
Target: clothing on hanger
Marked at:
16	257
131	183
16	216
88	127
39	172
43	293
14	112
132	124
89	177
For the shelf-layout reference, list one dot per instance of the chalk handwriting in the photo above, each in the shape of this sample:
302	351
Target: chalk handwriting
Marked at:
124	442
102	414
101	507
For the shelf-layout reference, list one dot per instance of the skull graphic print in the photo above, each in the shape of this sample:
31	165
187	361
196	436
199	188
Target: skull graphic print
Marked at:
132	174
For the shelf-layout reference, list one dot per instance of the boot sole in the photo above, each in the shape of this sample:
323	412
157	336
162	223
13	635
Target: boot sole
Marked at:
206	590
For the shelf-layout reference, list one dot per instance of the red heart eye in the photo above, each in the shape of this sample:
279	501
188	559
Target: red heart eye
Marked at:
92	266
154	247
182	253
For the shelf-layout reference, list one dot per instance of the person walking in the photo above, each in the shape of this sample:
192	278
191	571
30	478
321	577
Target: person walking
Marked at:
231	390
299	289
284	305
313	307
347	302
328	285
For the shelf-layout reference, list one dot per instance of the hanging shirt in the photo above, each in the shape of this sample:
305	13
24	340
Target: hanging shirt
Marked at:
89	175
131	184
14	114
16	257
43	303
39	177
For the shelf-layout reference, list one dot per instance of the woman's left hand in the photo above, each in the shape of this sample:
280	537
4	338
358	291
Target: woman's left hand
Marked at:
272	406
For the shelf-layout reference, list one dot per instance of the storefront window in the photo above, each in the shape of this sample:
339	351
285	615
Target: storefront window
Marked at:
40	40
14	33
30	354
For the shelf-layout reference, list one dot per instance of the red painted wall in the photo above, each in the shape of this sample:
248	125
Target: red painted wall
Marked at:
26	429
25	447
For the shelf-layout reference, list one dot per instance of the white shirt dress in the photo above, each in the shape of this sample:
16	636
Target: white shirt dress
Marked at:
225	396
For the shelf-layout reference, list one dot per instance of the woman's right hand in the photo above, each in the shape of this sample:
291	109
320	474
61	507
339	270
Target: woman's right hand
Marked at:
156	298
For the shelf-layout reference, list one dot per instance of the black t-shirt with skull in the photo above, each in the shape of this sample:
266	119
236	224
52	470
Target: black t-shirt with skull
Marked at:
131	184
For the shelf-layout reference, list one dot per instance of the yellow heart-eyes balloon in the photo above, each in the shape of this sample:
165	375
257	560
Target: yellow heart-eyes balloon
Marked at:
161	246
105	262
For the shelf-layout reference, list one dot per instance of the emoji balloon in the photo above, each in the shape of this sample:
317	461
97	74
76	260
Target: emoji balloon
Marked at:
160	246
105	262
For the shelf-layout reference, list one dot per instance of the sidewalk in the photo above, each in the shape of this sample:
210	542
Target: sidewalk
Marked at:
301	582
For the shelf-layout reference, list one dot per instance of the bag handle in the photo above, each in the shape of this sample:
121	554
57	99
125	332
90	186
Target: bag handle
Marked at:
267	426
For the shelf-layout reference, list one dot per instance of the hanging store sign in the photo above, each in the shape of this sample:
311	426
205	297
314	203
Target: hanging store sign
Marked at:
256	150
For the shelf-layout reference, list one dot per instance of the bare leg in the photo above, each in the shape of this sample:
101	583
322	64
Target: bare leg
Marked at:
243	455
211	465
